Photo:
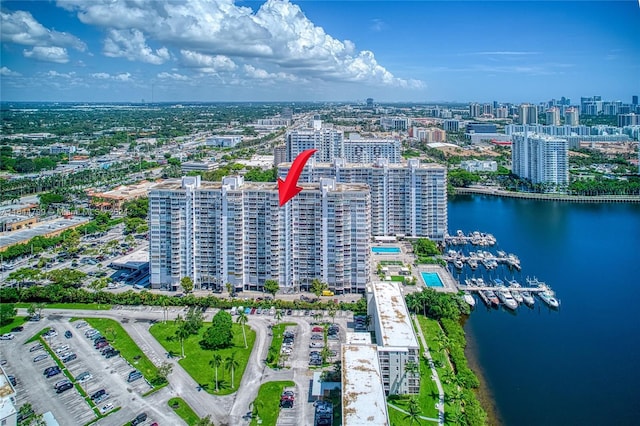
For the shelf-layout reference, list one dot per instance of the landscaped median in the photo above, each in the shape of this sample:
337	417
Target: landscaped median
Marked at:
85	306
198	361
273	356
183	409
129	350
267	403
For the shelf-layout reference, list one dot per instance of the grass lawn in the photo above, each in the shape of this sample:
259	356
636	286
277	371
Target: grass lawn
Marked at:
430	329
398	278
129	350
276	341
183	409
196	361
90	306
16	321
268	402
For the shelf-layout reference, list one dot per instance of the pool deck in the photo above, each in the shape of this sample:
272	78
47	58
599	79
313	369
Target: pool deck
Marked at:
448	282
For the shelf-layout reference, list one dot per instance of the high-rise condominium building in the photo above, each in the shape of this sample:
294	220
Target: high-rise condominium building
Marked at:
541	159
475	110
236	232
630	119
528	114
553	116
395	123
406	199
331	144
571	117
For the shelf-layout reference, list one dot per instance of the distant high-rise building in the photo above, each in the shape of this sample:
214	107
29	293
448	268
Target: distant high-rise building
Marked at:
475	110
541	159
287	113
395	123
553	116
408	199
501	112
630	119
571	117
279	155
487	109
236	232
634	100
528	114
369	102
451	125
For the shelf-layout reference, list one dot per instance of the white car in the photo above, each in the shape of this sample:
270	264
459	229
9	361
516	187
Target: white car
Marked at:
7	336
106	408
62	349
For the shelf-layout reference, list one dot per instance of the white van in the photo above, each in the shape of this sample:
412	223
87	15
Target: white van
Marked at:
234	310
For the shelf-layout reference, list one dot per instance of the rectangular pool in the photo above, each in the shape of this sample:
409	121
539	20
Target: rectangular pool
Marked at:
386	250
431	279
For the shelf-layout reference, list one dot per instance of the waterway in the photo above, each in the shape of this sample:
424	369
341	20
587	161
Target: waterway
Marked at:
579	365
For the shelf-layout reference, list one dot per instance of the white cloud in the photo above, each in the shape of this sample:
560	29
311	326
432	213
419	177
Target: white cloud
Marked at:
207	63
6	72
125	76
261	74
278	35
48	54
53	73
101	75
20	27
131	44
173	76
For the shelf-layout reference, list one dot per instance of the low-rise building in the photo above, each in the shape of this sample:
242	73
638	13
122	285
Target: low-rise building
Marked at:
8	412
227	141
479	166
198	166
115	199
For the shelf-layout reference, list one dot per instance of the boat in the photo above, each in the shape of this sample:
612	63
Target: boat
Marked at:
548	297
527	298
469	299
473	263
506	298
516	294
493	299
458	263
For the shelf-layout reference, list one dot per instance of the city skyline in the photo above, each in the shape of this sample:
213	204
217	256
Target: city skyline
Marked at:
93	51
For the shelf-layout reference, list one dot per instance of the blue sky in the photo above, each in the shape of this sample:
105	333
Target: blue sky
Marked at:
225	50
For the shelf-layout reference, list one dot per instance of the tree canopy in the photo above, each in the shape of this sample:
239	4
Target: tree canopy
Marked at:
271	287
220	334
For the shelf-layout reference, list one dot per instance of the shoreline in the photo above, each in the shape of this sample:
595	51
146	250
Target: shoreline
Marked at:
483	393
548	197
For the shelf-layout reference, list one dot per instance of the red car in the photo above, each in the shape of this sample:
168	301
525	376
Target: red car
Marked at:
317	329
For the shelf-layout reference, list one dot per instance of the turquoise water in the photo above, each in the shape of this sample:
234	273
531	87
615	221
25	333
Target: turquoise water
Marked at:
386	250
431	279
577	365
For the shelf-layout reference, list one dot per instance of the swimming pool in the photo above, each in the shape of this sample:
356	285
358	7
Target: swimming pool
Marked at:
386	250
431	279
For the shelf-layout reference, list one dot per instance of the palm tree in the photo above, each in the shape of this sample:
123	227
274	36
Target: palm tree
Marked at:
442	341
413	303
413	412
231	363
164	302
242	320
278	315
182	332
215	362
332	313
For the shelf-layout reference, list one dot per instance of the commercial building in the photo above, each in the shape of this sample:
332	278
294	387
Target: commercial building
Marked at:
279	155
236	232
406	199
479	166
429	134
224	141
395	123
451	125
481	128
198	166
540	158
331	144
398	348
565	130
62	149
115	199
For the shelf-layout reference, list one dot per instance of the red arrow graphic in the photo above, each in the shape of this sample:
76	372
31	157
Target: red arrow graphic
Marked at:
288	188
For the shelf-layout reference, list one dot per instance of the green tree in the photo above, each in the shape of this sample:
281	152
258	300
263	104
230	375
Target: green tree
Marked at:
231	363
220	334
229	287
317	287
242	320
204	421
333	310
187	284
8	311
67	277
278	315
182	332
271	287
216	362
24	275
413	412
164	370
194	319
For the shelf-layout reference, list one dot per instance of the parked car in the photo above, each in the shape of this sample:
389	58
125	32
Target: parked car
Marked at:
134	375
111	353
62	349
53	373
7	336
17	329
35	347
69	358
40	357
12	380
64	387
98	394
106	408
68	334
101	344
139	419
83	377
60	383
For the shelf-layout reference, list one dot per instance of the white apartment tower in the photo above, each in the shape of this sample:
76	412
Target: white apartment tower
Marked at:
406	199
553	116
331	144
541	159
571	117
235	232
528	114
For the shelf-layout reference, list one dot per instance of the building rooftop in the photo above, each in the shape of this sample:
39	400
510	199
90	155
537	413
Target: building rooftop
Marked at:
42	228
393	317
176	184
363	399
125	192
344	165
